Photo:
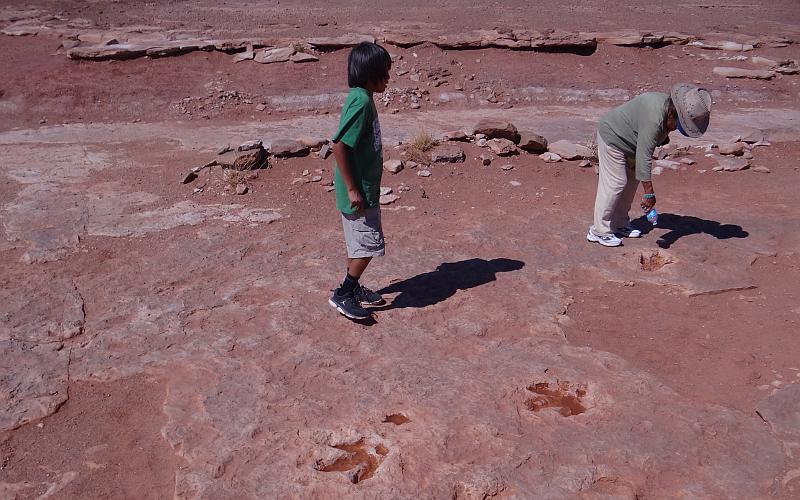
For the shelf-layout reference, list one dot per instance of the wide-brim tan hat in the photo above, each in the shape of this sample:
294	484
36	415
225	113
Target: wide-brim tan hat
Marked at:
693	105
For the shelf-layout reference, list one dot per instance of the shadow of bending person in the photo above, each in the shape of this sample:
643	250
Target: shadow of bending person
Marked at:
685	225
433	287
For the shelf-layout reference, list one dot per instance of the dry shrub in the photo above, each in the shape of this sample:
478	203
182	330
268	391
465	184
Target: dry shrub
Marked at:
419	146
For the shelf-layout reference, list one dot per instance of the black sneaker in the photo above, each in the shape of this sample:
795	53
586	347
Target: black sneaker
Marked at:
366	296
348	305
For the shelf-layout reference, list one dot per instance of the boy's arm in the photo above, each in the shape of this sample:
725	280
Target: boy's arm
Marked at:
340	151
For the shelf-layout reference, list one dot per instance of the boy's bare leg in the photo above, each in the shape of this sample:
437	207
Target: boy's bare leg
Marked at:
355	267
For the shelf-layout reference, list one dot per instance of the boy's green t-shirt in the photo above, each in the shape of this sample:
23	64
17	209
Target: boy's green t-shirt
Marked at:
359	129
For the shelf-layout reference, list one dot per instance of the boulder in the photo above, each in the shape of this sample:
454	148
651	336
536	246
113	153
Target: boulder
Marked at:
286	147
531	142
393	166
267	56
570	151
758	74
502	147
447	154
735	149
497	129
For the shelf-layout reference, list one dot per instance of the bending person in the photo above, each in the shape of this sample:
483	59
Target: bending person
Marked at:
626	139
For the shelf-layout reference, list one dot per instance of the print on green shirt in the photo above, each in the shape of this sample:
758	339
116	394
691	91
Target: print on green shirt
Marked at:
360	130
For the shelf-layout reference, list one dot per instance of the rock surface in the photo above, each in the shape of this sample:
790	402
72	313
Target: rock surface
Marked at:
757	74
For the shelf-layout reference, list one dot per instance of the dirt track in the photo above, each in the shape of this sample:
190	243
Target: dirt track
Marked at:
160	342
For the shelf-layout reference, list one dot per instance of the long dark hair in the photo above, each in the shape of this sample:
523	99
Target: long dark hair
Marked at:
367	62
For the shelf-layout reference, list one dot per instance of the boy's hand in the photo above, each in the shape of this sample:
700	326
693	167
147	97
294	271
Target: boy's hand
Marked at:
356	199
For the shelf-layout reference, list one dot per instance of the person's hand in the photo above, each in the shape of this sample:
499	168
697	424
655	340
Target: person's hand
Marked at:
648	202
356	199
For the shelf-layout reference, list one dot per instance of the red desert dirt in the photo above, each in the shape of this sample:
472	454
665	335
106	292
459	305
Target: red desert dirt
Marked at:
169	242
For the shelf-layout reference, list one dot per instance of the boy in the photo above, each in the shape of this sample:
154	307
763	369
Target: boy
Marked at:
626	139
359	164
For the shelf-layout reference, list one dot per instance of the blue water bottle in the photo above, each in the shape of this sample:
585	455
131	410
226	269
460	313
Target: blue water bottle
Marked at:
652	216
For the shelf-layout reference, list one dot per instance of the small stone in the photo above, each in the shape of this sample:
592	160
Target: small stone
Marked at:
515	183
480	136
414	105
388	199
486	160
325	151
585	164
286	148
455	135
569	150
507	167
687	161
306	173
411	164
531	142
752	136
673	165
189	177
424	173
241	188
481	142
298	180
329	188
261	107
762	170
224	149
250	145
732	164
385	190
735	149
550	157
757	74
747	155
447	154
268	56
502	147
302	57
393	166
316	178
494	129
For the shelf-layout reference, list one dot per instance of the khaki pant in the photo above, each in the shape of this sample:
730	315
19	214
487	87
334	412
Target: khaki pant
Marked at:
616	188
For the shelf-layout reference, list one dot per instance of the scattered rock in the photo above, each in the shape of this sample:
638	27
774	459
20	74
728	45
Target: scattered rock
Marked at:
316	178
302	57
339	42
570	151
481	143
247	55
267	56
241	188
286	147
531	142
224	149
748	155
760	169
763	61
455	135
247	146
502	147
731	164
585	164
388	199
497	129
515	183
424	173
189	177
550	157
393	166
507	167
329	188
758	74
447	154
723	45
687	161
735	149
486	160
385	190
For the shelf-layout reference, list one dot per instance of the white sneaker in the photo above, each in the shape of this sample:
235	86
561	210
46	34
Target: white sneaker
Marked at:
628	232
607	240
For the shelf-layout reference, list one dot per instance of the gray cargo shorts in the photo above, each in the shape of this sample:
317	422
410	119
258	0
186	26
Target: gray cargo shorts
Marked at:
363	233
